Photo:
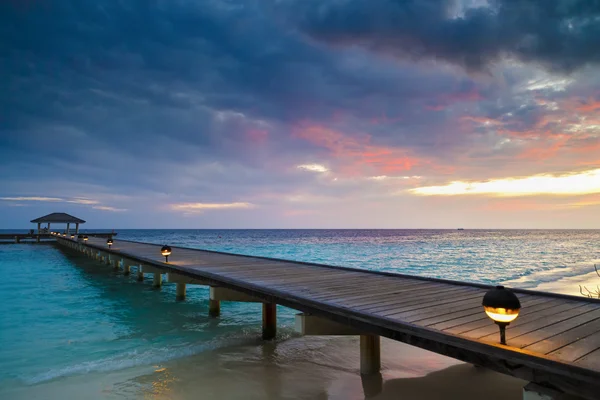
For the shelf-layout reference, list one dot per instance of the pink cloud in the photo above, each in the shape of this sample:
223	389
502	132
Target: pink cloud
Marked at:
357	153
258	136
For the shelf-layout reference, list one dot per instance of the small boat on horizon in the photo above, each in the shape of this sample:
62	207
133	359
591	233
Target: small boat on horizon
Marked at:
461	229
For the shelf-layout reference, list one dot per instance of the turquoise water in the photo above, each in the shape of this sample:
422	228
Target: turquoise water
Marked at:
63	315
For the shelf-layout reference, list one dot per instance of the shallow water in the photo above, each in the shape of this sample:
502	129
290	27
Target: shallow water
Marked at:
68	323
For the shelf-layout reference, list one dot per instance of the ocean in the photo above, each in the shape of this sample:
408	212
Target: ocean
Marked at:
70	327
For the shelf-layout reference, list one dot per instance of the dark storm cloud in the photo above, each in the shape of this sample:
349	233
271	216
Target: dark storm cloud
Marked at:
561	35
93	80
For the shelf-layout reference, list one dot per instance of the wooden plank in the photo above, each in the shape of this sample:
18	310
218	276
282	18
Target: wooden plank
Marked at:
342	287
420	304
313	285
367	291
565	338
382	296
439	296
383	301
393	301
472	314
368	282
524	317
275	279
578	349
539	323
450	312
555	329
591	361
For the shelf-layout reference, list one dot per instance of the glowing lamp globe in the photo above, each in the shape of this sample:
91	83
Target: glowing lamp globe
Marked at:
85	238
72	236
166	251
109	242
502	306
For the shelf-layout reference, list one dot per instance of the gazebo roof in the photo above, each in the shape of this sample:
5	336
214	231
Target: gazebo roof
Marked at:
60	218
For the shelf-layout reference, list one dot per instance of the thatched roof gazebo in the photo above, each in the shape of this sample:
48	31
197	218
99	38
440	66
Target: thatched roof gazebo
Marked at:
58	218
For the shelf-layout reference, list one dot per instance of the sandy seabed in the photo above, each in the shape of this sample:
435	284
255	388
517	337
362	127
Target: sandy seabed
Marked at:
298	368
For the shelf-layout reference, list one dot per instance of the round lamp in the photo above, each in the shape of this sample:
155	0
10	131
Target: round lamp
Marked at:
64	234
502	306
109	242
165	251
72	236
85	238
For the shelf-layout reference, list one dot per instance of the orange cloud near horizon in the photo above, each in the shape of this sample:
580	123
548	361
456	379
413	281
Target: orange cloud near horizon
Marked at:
587	182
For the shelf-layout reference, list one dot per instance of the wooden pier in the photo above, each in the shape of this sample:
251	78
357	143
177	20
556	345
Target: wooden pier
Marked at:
554	343
19	237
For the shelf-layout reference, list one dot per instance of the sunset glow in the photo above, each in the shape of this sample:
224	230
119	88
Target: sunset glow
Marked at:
573	184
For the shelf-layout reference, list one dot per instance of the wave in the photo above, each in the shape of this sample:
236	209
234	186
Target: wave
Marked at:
152	356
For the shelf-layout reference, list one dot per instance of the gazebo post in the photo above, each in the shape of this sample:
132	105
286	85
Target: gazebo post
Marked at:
77	228
48	226
39	228
68	227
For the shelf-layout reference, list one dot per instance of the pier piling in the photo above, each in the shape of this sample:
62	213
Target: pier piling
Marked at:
180	291
269	321
370	354
214	308
157	281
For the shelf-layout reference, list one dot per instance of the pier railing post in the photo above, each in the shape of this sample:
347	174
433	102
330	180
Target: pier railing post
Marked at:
370	354
269	321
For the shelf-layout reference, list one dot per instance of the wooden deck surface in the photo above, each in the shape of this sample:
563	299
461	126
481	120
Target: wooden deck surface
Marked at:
555	341
26	235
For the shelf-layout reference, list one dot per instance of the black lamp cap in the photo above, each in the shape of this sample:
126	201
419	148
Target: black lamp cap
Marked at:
499	297
109	240
165	248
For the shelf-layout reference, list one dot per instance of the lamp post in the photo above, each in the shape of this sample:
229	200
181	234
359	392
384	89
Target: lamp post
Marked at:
502	306
109	242
166	251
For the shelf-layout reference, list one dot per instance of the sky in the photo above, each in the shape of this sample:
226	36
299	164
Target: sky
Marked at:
301	113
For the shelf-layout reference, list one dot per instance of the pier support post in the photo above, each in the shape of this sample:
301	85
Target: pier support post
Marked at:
17	239
214	308
180	291
157	281
140	273
126	269
269	321
370	354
